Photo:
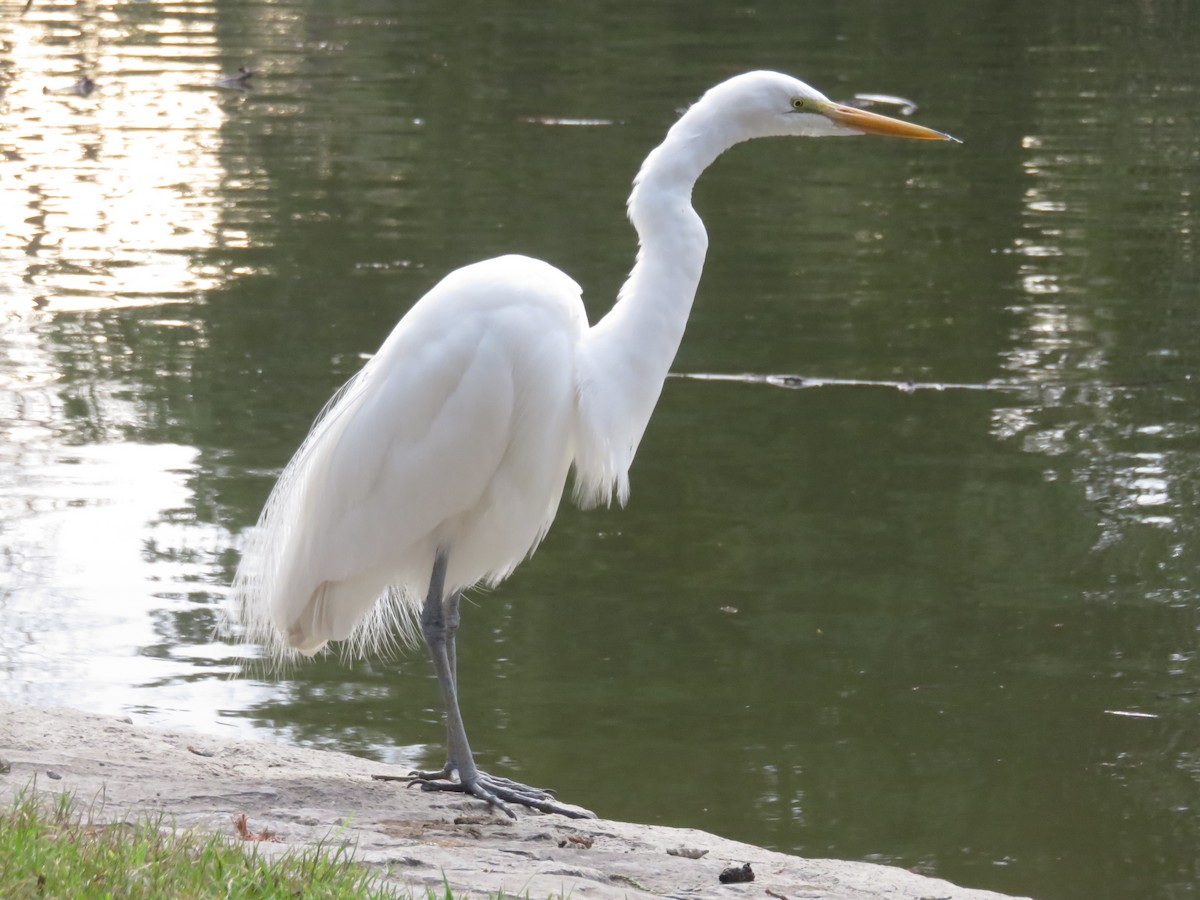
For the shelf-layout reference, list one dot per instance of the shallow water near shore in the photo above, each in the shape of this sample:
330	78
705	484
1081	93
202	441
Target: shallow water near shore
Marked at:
931	601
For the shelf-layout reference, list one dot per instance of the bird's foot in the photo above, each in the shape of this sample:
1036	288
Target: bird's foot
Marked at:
498	792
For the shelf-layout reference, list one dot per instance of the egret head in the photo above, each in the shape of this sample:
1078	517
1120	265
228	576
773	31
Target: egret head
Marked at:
764	104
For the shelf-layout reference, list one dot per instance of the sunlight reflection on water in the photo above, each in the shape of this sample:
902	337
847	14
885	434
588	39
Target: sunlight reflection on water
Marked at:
111	196
115	187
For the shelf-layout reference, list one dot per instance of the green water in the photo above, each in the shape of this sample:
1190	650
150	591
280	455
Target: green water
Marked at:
953	629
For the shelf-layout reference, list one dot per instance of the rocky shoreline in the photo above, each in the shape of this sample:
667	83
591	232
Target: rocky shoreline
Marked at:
122	771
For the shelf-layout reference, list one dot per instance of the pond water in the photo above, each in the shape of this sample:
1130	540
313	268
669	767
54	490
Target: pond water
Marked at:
935	606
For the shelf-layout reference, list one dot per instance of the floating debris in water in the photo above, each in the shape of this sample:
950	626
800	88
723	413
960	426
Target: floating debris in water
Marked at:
556	120
240	80
1130	714
902	105
796	382
81	88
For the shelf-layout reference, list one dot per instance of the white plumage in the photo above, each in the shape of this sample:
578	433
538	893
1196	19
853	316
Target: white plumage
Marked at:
459	437
441	464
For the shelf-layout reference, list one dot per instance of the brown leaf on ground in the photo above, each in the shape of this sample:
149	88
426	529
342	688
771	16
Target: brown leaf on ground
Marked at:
244	832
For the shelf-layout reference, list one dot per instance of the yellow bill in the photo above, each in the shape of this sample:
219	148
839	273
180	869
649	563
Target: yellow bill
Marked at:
873	123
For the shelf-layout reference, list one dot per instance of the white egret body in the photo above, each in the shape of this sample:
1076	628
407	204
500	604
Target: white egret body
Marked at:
441	464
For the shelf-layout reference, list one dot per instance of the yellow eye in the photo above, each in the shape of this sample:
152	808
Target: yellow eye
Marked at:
799	103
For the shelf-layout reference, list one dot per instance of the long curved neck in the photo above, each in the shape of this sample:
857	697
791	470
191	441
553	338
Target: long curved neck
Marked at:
629	351
672	241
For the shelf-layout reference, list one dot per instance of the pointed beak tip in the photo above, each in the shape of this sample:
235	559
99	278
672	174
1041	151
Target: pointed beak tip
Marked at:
873	123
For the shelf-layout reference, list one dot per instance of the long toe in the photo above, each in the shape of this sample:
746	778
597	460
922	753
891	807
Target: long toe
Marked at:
546	793
500	792
446	772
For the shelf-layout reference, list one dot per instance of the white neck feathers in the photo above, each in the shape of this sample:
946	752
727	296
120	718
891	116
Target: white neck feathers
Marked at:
627	354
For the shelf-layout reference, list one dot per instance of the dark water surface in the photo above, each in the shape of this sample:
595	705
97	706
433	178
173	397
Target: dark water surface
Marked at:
953	629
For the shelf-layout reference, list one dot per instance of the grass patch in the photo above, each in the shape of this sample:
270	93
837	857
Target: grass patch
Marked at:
52	849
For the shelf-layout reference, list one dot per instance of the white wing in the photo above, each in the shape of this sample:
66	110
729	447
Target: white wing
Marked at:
457	435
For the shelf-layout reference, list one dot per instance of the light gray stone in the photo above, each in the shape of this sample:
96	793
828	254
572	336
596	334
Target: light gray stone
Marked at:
120	771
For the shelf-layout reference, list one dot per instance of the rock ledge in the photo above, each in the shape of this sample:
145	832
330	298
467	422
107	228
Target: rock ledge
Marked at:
305	796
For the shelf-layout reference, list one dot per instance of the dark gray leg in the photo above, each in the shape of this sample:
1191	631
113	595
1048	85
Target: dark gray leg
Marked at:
452	620
439	624
449	627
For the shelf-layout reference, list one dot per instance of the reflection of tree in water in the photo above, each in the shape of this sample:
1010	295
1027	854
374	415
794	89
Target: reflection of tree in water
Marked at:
1104	346
1105	305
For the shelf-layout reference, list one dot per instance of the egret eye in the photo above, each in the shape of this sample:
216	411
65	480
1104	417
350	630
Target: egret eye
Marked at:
799	103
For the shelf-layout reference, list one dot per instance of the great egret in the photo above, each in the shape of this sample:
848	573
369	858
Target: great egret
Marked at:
440	465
